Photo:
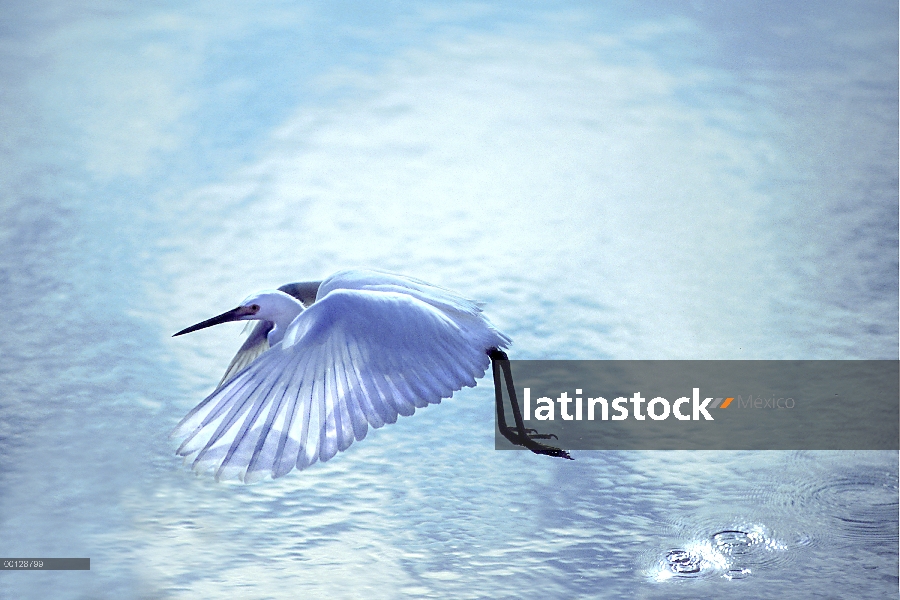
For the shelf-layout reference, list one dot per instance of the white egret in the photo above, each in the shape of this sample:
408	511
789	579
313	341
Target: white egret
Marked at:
327	359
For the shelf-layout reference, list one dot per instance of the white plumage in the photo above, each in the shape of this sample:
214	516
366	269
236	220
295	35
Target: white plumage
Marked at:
372	346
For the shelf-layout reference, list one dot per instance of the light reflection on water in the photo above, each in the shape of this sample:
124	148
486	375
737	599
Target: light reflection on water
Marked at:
629	182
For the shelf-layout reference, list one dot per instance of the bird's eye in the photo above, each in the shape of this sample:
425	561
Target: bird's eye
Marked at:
254	308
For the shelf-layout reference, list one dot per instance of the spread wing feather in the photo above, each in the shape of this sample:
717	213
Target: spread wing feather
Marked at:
255	344
353	359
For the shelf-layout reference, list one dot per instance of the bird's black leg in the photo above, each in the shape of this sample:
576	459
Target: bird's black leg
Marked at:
520	436
505	431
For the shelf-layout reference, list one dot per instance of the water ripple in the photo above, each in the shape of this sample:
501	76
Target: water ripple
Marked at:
733	553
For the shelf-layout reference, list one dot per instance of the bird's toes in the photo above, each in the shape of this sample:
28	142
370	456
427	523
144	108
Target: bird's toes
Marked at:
539	448
533	434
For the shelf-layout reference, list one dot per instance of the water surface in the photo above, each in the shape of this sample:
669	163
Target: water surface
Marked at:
634	181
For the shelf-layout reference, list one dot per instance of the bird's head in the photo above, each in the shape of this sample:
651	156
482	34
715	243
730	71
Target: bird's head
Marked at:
268	305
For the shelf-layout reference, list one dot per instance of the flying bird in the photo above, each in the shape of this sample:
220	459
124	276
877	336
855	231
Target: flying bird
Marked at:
329	358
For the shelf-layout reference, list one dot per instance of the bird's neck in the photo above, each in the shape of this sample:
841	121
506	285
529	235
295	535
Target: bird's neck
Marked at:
284	314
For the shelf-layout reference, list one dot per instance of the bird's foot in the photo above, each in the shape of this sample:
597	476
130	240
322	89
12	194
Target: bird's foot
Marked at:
533	434
539	448
526	438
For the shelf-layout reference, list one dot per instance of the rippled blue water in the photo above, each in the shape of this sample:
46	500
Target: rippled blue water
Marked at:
633	180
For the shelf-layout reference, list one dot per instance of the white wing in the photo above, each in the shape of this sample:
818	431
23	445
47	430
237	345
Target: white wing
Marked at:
255	344
356	357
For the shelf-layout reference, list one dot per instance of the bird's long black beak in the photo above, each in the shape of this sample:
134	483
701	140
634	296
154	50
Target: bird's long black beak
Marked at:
232	315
